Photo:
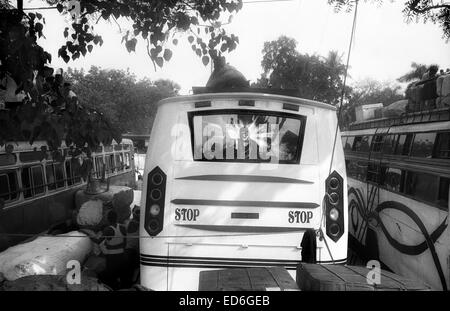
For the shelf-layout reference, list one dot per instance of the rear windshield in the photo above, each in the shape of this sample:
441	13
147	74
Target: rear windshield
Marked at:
246	136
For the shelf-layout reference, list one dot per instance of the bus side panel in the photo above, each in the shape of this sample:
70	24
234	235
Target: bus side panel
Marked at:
327	126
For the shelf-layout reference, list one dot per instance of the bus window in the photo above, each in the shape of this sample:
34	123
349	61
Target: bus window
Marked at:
422	186
343	139
99	166
389	144
127	160
377	143
392	179
349	143
38	179
375	173
50	174
76	170
361	170
55	176
26	182
423	145
110	162
119	161
7	159
69	173
404	144
362	143
8	186
444	186
59	174
246	136
443	145
352	170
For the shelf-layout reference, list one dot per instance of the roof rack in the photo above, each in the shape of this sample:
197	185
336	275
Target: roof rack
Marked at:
424	116
275	91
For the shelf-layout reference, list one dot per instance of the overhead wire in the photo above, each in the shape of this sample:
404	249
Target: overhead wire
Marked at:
320	231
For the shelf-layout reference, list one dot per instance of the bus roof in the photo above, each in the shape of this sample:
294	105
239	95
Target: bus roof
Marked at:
26	146
246	96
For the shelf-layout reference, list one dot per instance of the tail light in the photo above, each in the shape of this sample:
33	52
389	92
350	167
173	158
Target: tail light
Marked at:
154	207
334	206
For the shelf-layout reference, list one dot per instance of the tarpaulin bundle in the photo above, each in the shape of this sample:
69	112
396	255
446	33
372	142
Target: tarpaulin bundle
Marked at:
429	90
439	82
409	92
445	91
430	104
44	255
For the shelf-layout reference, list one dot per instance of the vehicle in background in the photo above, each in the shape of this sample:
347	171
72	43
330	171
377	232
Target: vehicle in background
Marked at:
37	191
398	172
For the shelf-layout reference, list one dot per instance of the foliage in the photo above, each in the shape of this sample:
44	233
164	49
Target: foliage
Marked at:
425	10
416	73
314	77
36	103
128	104
153	21
367	92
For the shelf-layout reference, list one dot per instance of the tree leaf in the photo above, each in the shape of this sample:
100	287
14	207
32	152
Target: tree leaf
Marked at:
191	39
167	55
159	61
205	60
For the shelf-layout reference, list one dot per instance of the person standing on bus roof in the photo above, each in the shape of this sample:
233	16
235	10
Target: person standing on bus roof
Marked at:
113	248
430	73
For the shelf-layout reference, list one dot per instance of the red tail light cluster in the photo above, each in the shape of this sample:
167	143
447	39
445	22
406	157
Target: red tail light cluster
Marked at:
154	207
334	206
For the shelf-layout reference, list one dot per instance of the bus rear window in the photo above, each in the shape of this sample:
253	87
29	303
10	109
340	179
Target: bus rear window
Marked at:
246	136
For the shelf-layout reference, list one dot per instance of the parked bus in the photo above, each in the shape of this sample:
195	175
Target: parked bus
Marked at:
37	191
241	179
398	188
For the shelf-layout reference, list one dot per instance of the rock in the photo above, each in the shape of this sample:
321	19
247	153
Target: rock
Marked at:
120	197
90	213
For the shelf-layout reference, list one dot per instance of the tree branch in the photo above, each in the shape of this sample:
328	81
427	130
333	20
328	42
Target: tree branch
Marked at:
413	8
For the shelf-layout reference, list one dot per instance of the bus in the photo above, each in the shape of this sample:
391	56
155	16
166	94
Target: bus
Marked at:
37	191
239	179
398	189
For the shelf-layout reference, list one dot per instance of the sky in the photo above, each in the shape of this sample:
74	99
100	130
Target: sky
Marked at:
383	49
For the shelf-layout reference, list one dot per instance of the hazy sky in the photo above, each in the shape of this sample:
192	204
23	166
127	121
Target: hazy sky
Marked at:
383	49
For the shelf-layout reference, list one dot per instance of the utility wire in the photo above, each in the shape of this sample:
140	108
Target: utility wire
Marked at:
320	231
344	84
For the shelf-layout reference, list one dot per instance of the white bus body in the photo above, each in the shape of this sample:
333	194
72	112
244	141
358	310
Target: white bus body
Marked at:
206	206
